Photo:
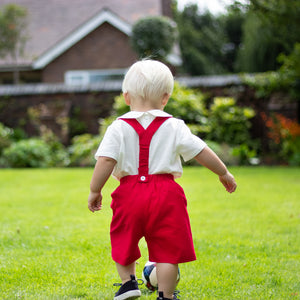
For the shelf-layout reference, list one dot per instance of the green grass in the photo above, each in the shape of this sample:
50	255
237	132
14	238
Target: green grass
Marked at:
247	243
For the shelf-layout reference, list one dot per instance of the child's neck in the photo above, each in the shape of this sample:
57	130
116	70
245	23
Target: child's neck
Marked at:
144	109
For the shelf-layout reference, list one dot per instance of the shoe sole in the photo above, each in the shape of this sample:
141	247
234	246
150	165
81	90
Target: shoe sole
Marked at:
130	295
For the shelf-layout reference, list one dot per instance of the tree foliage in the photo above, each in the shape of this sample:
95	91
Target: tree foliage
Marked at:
247	38
260	49
13	23
153	37
201	40
281	15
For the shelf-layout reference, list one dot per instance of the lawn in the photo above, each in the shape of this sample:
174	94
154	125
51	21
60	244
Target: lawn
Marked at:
247	243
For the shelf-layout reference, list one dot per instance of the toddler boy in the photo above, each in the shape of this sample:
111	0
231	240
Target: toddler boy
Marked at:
142	150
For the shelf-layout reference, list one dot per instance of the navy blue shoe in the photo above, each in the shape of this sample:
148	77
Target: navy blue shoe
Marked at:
161	296
128	290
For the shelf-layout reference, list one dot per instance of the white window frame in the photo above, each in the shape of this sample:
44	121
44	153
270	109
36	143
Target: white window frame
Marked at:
83	77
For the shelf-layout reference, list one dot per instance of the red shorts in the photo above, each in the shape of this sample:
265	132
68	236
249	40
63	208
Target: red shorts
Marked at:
155	210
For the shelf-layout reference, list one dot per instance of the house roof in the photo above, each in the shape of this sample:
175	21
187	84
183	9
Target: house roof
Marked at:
55	25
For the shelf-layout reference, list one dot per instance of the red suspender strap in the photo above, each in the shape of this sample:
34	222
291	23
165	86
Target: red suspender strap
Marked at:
145	136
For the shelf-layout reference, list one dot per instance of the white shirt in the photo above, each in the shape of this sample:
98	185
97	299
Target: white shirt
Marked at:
172	140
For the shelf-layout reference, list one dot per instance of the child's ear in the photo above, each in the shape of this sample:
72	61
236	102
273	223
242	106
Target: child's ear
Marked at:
127	98
165	99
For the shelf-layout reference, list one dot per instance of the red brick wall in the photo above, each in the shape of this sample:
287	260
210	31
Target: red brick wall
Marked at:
53	108
104	48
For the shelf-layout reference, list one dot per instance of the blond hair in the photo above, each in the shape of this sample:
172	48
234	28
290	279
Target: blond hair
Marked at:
149	80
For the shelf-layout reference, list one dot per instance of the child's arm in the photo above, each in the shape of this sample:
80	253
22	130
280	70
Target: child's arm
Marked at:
210	160
102	171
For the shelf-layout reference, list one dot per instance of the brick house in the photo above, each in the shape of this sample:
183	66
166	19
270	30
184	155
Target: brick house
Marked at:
79	41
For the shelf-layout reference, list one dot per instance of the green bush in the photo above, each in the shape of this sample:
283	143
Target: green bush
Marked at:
6	135
83	149
33	153
245	155
189	105
229	123
265	83
59	154
153	36
224	151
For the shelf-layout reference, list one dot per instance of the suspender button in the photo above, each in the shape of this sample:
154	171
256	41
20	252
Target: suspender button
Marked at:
143	178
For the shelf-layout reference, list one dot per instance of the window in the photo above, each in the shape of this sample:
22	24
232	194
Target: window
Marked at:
93	76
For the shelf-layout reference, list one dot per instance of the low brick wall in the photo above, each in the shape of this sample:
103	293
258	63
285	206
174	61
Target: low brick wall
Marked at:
68	110
62	109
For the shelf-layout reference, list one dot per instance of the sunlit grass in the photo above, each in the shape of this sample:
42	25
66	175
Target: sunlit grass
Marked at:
247	243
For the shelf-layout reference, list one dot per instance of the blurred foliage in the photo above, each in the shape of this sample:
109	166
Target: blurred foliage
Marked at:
229	123
290	71
82	150
284	135
13	21
189	105
224	151
286	79
201	38
30	153
153	37
232	24
13	36
59	156
259	49
5	137
283	17
264	83
247	38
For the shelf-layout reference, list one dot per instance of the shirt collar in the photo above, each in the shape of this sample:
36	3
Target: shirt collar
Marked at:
138	114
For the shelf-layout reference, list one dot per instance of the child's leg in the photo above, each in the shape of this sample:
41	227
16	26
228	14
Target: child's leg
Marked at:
167	278
125	271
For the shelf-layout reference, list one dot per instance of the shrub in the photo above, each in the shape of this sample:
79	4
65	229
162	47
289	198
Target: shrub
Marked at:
32	152
224	151
264	83
59	154
153	36
6	135
189	105
284	135
83	149
229	123
245	155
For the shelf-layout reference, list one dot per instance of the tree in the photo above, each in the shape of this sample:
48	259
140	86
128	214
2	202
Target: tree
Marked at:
272	27
283	16
209	43
153	37
13	23
232	24
260	48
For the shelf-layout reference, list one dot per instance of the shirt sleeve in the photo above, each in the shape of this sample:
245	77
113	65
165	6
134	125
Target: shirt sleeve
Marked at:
189	145
110	144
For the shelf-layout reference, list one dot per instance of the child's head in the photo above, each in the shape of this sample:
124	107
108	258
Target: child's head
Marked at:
148	81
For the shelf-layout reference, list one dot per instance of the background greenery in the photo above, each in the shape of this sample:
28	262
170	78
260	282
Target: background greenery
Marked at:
246	38
247	243
221	122
260	36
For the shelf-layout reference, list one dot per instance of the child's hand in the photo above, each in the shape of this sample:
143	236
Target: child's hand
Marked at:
94	201
228	181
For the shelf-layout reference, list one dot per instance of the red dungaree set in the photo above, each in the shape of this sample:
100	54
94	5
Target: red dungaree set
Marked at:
150	206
